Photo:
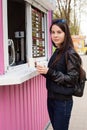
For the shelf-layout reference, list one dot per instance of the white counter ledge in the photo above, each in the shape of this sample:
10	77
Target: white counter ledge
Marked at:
17	75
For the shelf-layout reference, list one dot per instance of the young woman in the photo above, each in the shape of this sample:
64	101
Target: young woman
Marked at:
61	75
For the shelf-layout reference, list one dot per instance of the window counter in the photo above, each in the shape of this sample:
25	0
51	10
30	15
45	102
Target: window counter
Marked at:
18	75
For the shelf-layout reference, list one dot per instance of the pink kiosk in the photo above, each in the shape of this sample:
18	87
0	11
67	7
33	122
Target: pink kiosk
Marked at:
24	35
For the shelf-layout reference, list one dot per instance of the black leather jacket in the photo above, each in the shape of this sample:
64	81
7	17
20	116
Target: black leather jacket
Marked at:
61	79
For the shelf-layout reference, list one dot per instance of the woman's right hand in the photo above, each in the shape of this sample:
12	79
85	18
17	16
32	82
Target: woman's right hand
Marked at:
42	69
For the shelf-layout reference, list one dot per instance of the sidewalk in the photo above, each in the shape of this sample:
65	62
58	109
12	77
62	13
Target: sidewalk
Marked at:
79	113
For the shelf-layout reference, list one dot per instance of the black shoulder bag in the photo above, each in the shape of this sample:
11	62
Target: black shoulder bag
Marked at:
80	85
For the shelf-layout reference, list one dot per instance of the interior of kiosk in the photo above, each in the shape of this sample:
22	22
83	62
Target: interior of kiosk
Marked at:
16	32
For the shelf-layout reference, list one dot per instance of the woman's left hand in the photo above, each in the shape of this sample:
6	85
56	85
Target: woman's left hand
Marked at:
42	69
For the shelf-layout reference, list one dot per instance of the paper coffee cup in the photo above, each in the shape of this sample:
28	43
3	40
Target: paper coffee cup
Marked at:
31	62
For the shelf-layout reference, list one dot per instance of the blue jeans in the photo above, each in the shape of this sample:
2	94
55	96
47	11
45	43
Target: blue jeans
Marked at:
59	113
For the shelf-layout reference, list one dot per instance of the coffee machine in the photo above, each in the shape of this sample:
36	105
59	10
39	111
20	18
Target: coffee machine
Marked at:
11	52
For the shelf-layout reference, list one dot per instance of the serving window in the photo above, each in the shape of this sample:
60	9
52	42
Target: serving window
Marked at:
16	32
25	41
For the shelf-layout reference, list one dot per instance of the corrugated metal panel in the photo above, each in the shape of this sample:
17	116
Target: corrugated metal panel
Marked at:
23	107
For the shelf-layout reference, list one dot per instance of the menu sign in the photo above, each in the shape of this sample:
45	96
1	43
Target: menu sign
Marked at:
38	33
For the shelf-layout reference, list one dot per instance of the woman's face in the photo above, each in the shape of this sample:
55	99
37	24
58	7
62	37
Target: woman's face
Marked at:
57	35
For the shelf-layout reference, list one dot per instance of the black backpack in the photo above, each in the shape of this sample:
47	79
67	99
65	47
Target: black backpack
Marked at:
79	87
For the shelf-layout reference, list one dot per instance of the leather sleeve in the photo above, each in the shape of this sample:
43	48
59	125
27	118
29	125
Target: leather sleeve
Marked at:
72	75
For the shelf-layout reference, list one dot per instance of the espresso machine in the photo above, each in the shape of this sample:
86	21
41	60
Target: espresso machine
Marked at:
11	52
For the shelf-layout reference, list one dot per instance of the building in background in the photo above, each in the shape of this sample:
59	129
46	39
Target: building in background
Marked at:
80	43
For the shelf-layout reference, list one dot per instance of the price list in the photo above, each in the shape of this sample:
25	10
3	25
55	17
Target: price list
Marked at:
38	33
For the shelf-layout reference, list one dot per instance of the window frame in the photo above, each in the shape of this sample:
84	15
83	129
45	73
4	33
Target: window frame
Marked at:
28	34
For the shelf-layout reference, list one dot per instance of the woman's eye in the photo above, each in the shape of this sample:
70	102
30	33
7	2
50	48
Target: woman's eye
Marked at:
52	32
59	32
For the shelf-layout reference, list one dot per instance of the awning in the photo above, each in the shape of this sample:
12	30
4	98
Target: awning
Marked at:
43	3
46	4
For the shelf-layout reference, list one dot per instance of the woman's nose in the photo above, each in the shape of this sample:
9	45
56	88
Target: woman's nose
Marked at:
55	34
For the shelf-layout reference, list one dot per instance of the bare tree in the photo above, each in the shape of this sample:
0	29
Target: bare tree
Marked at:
63	9
67	9
72	10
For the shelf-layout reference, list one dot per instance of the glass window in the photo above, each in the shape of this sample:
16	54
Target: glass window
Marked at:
38	33
27	33
16	32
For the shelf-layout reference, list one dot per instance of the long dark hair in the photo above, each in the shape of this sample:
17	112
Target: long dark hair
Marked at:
62	23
